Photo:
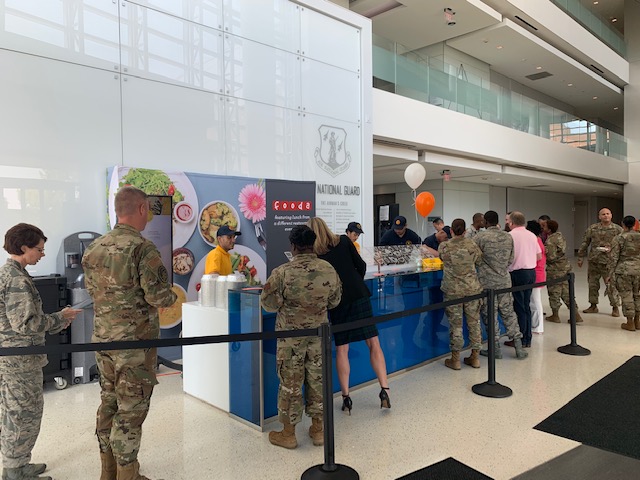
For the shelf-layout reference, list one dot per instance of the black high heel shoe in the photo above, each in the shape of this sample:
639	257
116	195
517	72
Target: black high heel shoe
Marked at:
384	398
347	404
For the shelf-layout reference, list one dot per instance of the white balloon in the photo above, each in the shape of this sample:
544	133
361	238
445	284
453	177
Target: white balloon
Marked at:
414	175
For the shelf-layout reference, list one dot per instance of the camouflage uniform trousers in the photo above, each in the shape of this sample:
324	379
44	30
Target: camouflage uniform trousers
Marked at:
594	273
299	362
629	289
504	302
22	403
472	313
127	378
558	292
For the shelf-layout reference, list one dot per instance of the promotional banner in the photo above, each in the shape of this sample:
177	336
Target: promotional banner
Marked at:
263	211
288	204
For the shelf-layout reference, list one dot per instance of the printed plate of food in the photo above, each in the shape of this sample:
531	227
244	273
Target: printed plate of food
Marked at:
183	261
214	215
158	182
172	316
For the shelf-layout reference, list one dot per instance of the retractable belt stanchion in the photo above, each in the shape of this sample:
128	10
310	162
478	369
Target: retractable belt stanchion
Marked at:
491	388
573	348
330	469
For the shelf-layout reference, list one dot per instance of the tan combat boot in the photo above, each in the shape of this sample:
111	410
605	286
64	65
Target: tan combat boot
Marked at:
109	469
285	438
578	317
554	316
316	432
130	471
630	325
615	312
520	353
592	309
454	361
473	360
636	320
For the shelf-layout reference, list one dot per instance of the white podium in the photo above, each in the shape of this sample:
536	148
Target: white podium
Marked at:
205	368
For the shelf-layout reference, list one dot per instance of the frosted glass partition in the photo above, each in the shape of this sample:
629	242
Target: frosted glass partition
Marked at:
204	12
272	22
412	76
162	47
593	22
86	34
328	41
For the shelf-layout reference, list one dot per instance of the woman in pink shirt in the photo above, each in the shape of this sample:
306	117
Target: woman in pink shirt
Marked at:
537	323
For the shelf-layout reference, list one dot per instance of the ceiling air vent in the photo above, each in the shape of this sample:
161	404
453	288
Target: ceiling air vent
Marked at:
525	22
537	185
538	76
596	69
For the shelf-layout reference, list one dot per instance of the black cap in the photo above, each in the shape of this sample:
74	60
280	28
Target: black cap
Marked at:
399	222
225	230
355	227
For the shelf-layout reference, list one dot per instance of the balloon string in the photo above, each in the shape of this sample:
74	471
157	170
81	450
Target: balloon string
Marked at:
414	206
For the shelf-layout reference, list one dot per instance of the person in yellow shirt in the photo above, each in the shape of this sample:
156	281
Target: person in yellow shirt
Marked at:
219	260
353	232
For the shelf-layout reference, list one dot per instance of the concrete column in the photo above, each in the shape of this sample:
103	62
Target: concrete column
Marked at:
632	107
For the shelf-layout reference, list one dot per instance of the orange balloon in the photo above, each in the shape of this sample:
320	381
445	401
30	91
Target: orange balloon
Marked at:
425	203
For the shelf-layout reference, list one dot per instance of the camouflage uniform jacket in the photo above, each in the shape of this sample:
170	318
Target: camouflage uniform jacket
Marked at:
556	251
125	277
625	254
22	321
597	235
497	254
301	291
459	259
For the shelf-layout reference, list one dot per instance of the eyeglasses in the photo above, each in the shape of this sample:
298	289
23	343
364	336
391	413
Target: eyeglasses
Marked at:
41	250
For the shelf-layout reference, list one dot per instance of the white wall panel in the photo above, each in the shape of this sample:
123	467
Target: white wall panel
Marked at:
257	72
330	91
328	41
83	32
171	127
59	131
273	22
162	47
205	12
263	141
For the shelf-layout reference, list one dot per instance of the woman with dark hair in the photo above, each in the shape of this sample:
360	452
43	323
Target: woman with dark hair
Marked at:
340	252
537	312
301	291
23	324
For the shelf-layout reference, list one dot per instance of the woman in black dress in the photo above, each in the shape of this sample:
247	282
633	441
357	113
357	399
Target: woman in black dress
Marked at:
340	252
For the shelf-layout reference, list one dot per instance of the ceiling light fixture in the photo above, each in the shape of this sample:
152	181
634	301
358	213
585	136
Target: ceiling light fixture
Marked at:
596	2
538	67
499	47
448	17
569	84
614	20
595	98
615	108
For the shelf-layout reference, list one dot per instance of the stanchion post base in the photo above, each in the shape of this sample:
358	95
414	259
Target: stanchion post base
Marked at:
342	472
493	390
574	350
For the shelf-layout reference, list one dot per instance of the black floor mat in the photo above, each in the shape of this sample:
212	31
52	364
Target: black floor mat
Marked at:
448	469
606	415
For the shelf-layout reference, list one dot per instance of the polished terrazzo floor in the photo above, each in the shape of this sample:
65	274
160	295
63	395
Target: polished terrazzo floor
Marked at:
434	415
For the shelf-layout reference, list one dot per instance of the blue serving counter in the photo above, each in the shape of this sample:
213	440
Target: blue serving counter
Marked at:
406	341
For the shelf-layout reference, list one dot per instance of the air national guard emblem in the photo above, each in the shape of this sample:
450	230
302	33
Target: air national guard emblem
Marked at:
332	155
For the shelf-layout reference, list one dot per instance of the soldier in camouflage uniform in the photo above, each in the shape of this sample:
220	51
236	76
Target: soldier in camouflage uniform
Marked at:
23	324
128	283
497	254
459	259
301	292
600	237
625	264
557	266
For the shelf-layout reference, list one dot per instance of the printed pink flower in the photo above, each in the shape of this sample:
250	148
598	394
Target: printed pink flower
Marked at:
253	202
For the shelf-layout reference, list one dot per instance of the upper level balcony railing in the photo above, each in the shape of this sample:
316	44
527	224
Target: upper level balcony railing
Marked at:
593	22
411	75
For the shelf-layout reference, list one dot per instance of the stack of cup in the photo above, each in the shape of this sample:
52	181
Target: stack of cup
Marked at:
221	291
208	290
